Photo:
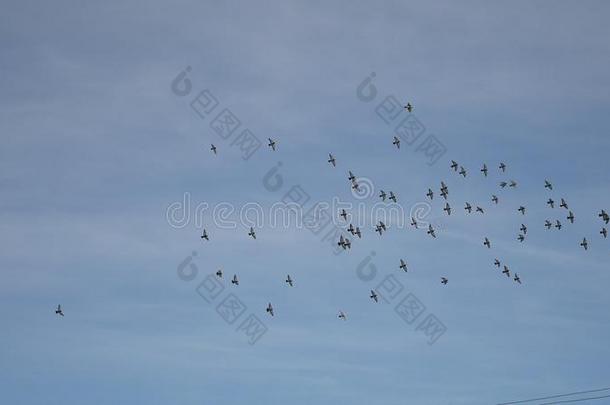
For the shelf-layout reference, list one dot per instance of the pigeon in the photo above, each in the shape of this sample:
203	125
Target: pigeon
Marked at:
494	199
413	222
584	243
392	197
343	214
374	296
563	204
270	309
468	207
396	143
462	171
558	225
548	224
358	233
506	271
521	210
604	232
331	160
551	203
570	217
271	144
235	280
487	243
523	229
502	167
479	209
431	231
403	265
484	169
213	148
409	107
503	184
520	238
219	274
430	194
252	233
382	195
497	263
204	235
289	280
604	216
444	280
512	184
59	311
517	279
447	209
454	165
342	315
548	185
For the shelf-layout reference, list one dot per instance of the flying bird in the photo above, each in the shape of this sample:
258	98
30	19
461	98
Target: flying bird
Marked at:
512	184
454	165
431	231
604	232
506	271
430	194
604	216
403	265
374	296
344	242
213	148
517	279
462	171
548	185
351	176
219	274
358	233
521	210
523	229
494	199
570	217
497	263
235	280
551	203
271	144
563	204
444	280
413	222
392	197
484	169
502	167
396	143
487	243
351	229
252	233
447	209
204	235
558	225
331	160
270	309
342	315
520	238
343	214
479	209
289	280
58	311
468	208
382	195
548	224
503	184
584	243
409	107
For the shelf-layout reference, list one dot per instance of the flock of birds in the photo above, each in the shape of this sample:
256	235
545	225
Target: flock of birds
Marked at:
380	228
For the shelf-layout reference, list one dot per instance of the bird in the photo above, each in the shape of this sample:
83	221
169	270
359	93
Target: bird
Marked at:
342	315
570	217
252	233
506	271
503	184
468	208
343	214
444	280
454	165
380	228
219	274
520	238
430	194
558	225
289	280
355	185
331	160
512	184
523	229
271	144
487	243
396	142
444	188
431	231
584	243
213	148
551	203
204	235
414	222
444	193
358	233
344	242
494	199
548	185
604	232
479	209
235	280
563	204
351	229
403	265
517	279
447	209
522	210
351	176
59	311
382	195
502	167
497	263
548	224
270	309
462	171
604	216
484	169
409	107
392	197
374	296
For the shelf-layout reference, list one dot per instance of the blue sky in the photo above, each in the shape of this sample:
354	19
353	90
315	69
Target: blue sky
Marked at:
96	147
